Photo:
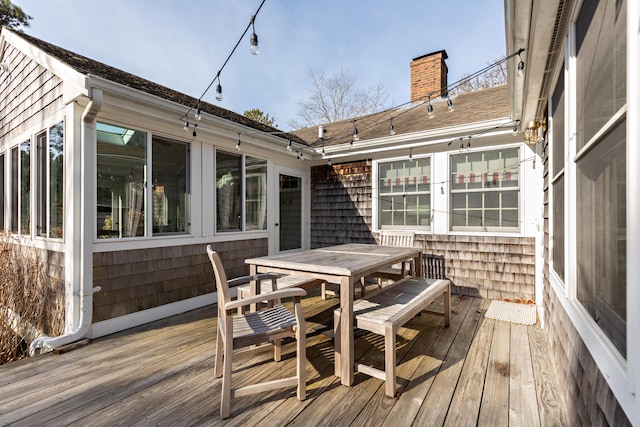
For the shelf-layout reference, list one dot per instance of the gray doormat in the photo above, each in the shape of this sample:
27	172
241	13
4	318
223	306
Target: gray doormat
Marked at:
524	314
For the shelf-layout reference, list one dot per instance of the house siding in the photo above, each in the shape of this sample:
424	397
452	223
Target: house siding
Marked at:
140	279
586	395
28	94
486	266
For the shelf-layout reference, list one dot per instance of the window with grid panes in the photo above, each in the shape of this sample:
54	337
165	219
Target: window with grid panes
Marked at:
485	190
404	193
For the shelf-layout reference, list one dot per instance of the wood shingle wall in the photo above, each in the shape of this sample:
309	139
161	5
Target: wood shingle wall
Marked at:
141	279
487	266
28	94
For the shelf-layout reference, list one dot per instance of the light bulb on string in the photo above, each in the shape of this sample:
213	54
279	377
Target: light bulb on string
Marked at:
356	135
289	145
520	64
239	142
219	92
450	106
430	113
253	39
392	129
186	126
195	125
198	113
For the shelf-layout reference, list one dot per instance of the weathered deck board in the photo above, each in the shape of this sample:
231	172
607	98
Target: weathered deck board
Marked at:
162	374
494	410
523	407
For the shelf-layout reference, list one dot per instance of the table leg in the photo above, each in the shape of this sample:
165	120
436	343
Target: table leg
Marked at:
346	355
253	269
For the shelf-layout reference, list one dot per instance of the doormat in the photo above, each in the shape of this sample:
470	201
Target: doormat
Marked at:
524	314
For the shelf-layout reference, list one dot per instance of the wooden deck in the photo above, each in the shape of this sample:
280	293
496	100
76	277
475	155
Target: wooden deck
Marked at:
477	372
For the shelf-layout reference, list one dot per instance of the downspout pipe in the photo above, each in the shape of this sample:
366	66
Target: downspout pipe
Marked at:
85	292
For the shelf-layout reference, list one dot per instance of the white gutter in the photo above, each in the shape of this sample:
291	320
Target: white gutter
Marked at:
85	240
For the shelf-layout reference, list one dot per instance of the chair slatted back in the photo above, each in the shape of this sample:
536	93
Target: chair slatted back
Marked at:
222	285
397	238
433	266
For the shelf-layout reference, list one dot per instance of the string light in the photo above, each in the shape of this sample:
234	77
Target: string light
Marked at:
254	50
520	64
514	132
198	114
195	125
430	110
219	92
392	129
289	145
410	153
356	135
186	126
239	142
253	39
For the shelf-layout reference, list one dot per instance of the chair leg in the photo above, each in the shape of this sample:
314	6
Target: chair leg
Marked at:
390	361
323	290
225	398
447	306
363	282
301	355
336	341
219	354
277	350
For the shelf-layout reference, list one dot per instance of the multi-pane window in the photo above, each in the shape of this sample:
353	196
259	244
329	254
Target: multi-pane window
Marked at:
240	181
601	166
485	190
123	165
557	176
404	193
50	182
21	189
121	169
170	190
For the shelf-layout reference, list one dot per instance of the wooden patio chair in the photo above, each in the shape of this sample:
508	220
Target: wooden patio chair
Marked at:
433	266
245	330
399	239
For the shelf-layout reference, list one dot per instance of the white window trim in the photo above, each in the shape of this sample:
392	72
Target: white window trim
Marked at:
622	376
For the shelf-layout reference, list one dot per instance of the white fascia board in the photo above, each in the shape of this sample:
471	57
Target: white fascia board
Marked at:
158	108
75	84
418	139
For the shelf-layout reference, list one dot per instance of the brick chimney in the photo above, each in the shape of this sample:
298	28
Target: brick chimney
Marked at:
428	75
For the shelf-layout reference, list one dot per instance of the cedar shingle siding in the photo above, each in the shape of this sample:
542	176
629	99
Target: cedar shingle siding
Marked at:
493	267
134	280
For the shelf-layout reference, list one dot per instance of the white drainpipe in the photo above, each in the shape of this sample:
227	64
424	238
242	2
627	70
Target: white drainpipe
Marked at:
85	239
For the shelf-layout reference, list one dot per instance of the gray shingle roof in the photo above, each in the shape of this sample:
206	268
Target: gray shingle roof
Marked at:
89	66
470	107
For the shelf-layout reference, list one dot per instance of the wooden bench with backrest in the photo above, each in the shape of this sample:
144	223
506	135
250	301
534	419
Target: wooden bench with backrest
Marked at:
385	312
398	239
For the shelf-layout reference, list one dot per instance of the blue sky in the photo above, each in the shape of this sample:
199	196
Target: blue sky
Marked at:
183	44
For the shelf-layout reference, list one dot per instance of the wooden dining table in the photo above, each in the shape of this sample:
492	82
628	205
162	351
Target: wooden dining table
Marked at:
343	265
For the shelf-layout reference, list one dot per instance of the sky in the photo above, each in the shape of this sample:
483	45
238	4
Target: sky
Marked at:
183	44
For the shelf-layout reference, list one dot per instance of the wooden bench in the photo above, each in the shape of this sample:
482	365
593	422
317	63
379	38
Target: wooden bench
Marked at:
283	281
385	312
